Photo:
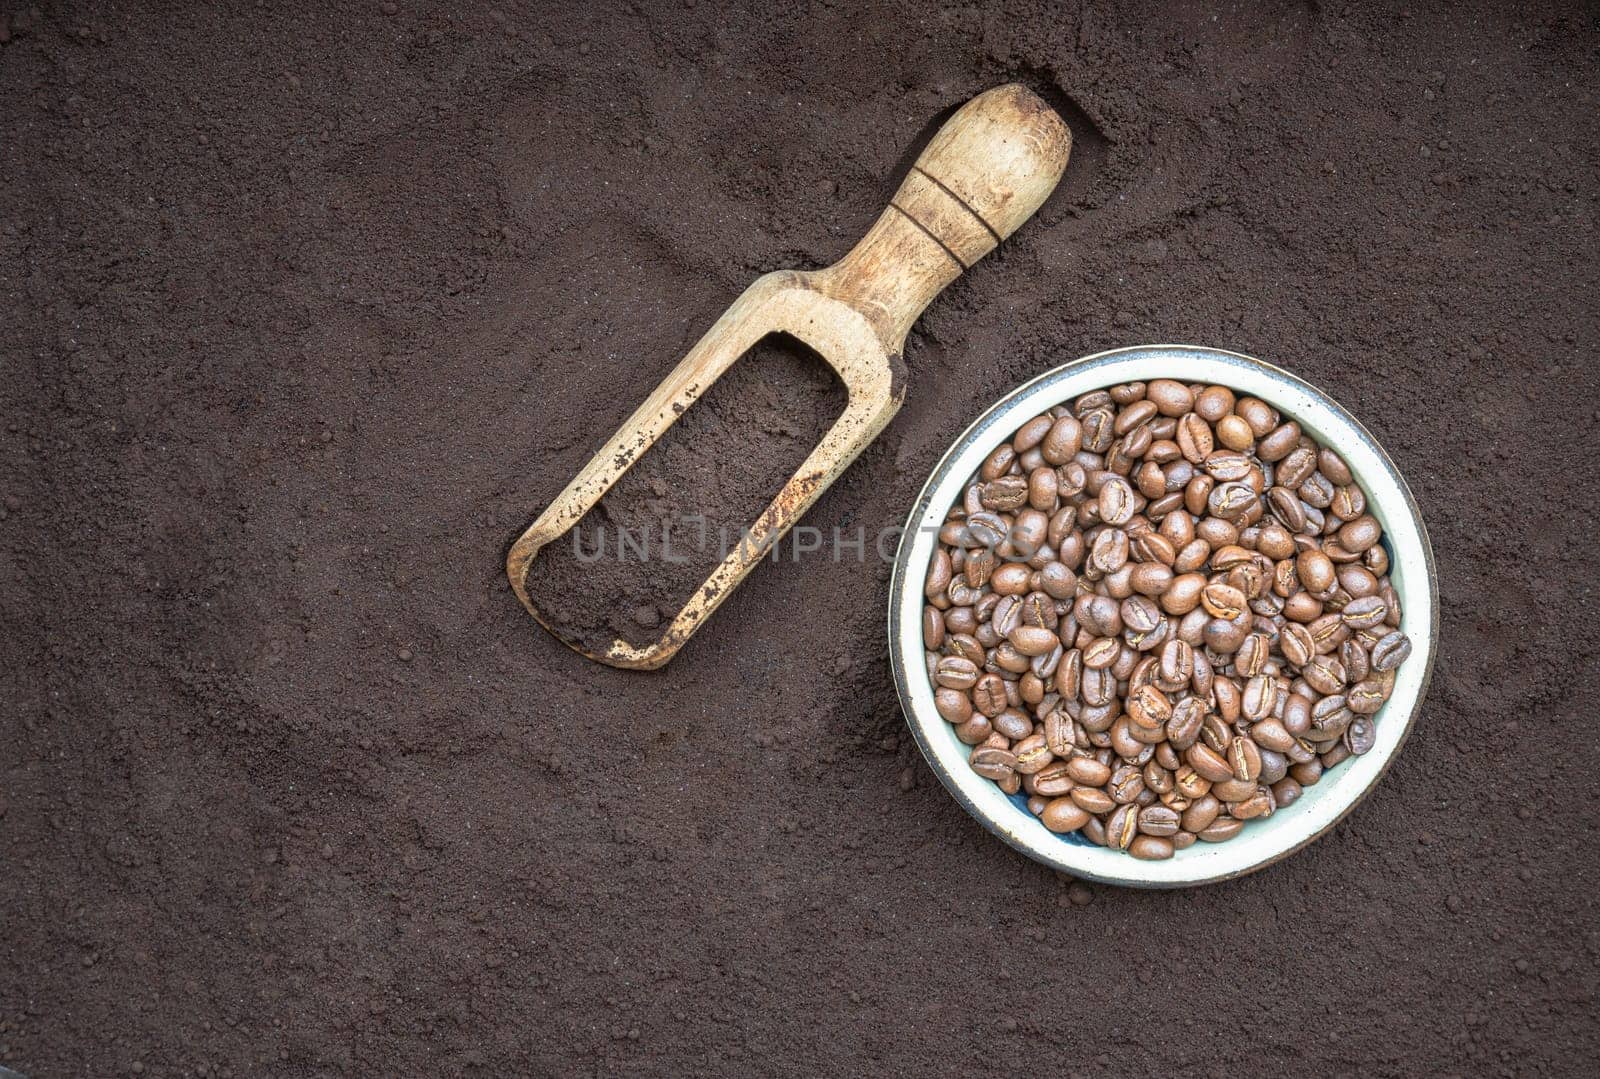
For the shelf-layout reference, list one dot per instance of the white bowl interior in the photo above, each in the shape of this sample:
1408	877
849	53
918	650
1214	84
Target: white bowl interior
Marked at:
1262	841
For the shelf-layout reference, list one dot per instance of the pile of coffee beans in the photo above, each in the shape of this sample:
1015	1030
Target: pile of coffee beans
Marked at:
1161	611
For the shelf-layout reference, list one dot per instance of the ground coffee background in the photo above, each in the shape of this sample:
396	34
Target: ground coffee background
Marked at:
308	309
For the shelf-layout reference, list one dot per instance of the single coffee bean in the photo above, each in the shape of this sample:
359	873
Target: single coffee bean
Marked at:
1159	820
1295	642
1208	762
1089	772
1234	432
1032	754
1122	826
1202	812
953	705
1032	640
1261	416
1271	734
993	764
1221	830
1013	724
1170	397
1151	848
975	731
1184	725
1190	784
1390	651
1149	708
1093	799
1223	601
1195	440
1360	534
1365	698
1063	815
1257	805
1361	735
1260	697
989	695
1116	501
1233	790
1176	665
1244	756
1005	494
1127	783
1364	613
1232	501
955	672
1279	443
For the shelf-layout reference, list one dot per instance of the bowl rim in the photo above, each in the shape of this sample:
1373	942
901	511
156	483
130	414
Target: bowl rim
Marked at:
1266	841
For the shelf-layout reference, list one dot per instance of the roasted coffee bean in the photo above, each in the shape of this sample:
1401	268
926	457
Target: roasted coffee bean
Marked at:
954	672
1176	665
1101	652
1361	735
1202	812
953	705
1295	642
1233	790
1325	674
1013	724
1232	501
1357	664
1149	708
1258	804
993	764
1122	826
1063	815
1364	613
1151	848
1191	784
1223	601
1093	799
1127	783
1274	766
1360	534
1184	725
989	695
1221	830
1390	651
1032	640
1365	698
1059	734
1032	754
1329	717
1272	734
1089	772
1244	756
1208	762
975	731
1159	820
1260	697
1005	494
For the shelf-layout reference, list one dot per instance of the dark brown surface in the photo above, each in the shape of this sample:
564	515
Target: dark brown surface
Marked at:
309	311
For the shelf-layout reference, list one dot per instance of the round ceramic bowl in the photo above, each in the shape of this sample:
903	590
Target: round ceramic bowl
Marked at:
1262	841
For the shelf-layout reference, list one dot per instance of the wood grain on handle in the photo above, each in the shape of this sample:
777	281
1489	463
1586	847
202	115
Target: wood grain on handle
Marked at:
984	173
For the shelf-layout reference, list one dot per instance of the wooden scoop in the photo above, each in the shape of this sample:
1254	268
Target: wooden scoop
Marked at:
985	173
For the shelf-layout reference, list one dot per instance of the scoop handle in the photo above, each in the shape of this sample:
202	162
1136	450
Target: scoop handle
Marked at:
984	173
